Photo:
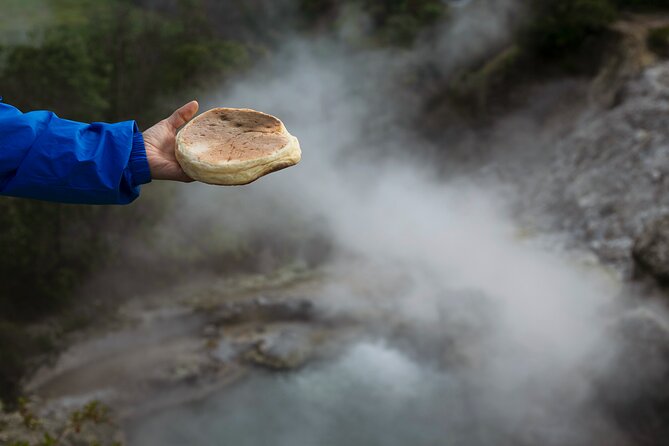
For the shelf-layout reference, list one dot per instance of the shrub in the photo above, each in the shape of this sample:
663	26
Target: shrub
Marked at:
642	4
658	40
400	21
89	425
16	347
393	22
563	26
59	74
47	250
472	90
314	10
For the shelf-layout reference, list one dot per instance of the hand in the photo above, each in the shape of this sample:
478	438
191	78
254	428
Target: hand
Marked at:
160	142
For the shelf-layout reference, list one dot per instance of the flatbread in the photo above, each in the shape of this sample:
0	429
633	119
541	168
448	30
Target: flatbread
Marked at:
230	146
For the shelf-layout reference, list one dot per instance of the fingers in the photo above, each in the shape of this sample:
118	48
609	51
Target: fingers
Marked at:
183	115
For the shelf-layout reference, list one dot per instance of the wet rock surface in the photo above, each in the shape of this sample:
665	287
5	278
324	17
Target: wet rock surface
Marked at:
651	249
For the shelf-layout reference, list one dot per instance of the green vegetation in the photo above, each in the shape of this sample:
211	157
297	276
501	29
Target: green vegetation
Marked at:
393	22
658	40
643	5
400	21
42	260
563	26
18	347
31	73
118	63
47	251
21	18
89	425
571	37
471	90
314	10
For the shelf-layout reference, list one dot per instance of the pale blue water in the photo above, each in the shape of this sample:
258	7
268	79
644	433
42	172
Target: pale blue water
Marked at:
371	396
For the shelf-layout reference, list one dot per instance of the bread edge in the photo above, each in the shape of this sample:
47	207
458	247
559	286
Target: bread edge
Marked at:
237	173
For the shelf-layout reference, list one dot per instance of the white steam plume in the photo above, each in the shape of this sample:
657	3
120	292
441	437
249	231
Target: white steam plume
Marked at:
441	258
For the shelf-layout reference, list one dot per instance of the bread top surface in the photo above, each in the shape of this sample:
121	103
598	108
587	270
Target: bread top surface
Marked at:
224	135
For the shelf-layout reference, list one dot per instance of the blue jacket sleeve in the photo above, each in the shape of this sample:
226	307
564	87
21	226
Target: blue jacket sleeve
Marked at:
48	158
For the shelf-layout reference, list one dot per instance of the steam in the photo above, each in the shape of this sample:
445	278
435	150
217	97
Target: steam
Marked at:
502	342
477	28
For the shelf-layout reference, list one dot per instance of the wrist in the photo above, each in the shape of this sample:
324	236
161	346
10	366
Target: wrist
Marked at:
138	164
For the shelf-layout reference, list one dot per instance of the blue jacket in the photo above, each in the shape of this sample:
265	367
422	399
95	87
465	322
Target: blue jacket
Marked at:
48	158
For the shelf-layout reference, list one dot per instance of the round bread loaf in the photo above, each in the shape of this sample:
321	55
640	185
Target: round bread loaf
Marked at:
230	146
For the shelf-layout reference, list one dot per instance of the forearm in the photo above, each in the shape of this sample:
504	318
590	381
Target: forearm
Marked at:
45	157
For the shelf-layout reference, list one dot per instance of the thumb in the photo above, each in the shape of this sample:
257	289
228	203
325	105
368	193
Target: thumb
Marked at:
182	115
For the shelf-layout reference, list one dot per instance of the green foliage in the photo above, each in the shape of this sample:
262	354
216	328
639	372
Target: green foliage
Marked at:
424	11
59	74
47	249
145	57
658	40
314	10
560	36
471	90
400	21
20	18
563	26
394	22
206	57
641	4
118	63
93	412
90	425
17	347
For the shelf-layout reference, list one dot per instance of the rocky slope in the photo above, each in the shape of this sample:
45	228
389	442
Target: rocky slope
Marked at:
609	179
604	178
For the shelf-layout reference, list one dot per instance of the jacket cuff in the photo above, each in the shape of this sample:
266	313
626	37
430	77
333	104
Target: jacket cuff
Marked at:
138	163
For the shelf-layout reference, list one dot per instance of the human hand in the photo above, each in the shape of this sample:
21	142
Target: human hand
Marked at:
160	142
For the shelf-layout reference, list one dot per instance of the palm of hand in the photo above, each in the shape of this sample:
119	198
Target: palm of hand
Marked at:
160	142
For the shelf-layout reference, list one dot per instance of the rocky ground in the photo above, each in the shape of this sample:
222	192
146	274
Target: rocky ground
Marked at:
168	350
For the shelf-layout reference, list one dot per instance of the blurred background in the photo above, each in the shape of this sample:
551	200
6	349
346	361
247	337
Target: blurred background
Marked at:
473	251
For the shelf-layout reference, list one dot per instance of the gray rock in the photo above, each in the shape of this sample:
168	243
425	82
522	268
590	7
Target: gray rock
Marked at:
651	249
285	349
264	309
